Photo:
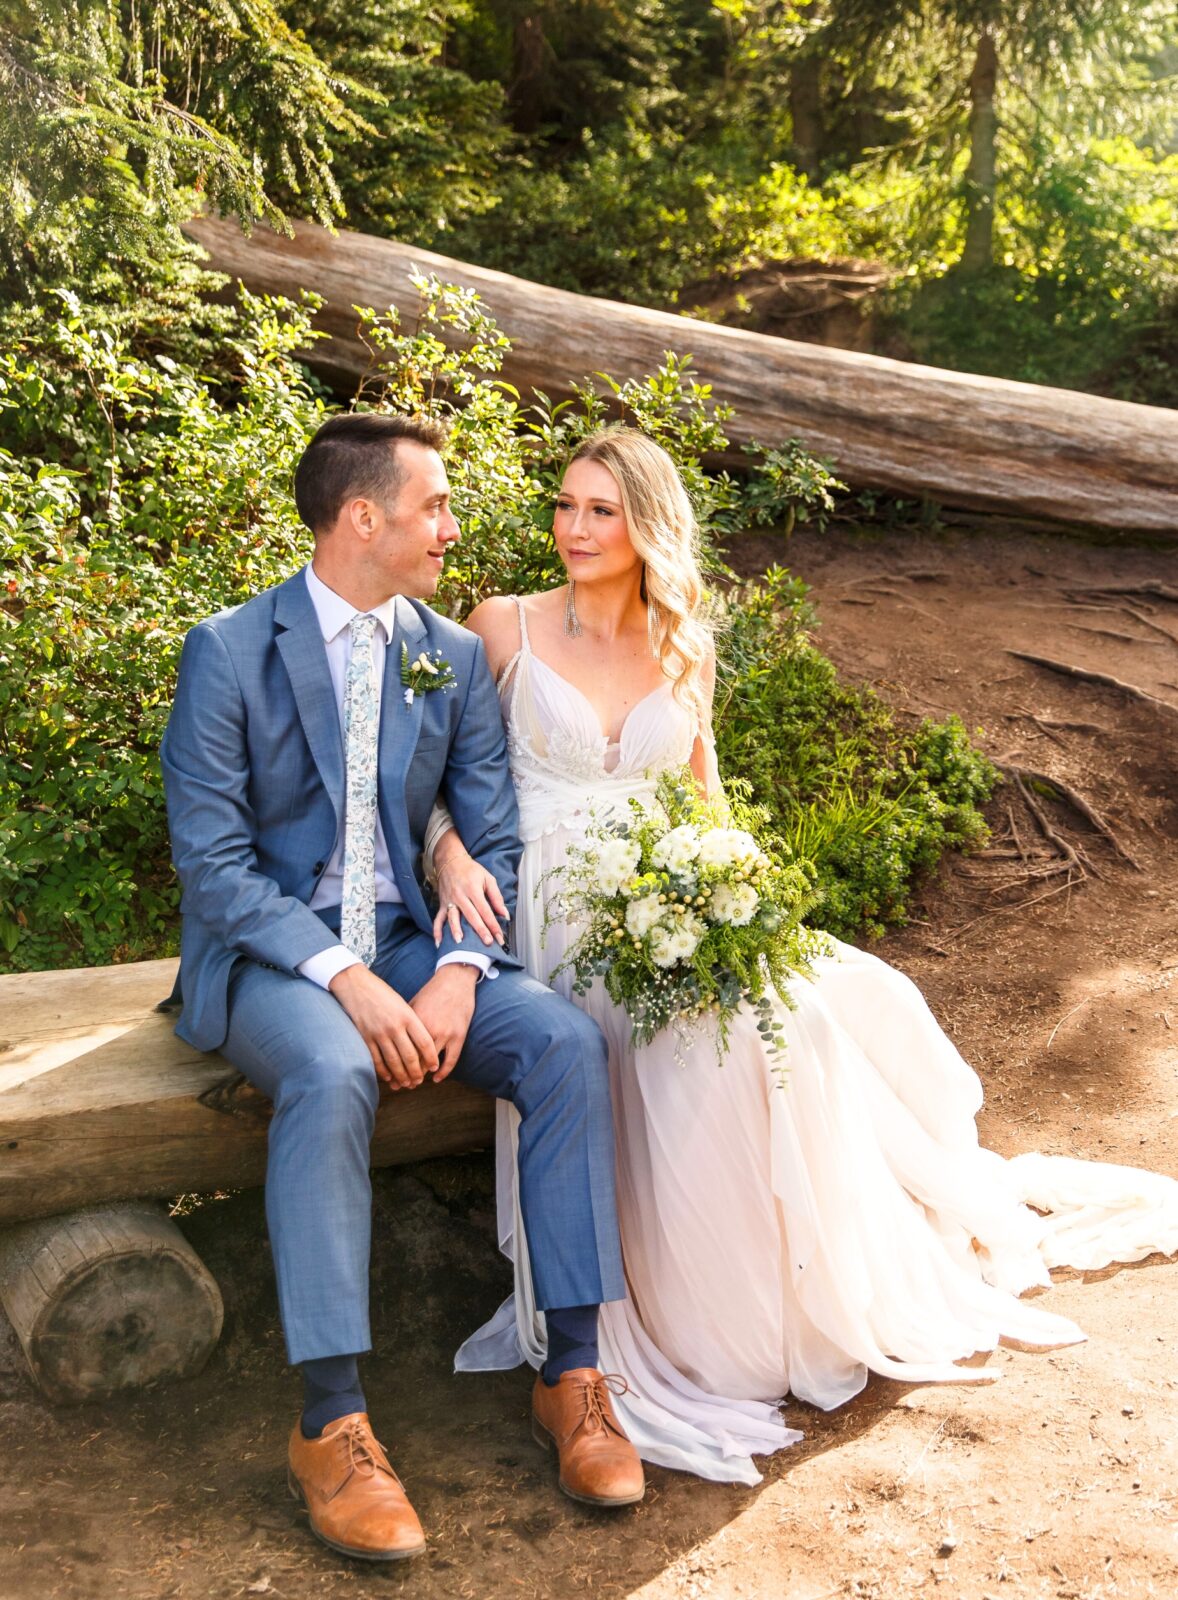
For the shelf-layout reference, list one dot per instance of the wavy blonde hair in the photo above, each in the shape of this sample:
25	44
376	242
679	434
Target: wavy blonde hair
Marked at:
664	532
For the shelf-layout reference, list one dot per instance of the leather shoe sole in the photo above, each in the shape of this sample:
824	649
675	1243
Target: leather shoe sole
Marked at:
396	1554
545	1439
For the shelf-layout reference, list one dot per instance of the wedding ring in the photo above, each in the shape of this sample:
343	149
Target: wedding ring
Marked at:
450	906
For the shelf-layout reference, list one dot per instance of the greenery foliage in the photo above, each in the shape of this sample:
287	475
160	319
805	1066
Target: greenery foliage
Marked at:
142	490
637	151
642	149
117	115
869	801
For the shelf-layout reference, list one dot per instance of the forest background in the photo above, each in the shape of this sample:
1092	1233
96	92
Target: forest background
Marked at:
1012	169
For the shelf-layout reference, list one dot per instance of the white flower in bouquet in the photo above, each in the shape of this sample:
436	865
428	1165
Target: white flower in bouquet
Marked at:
676	849
617	860
734	903
664	950
642	914
725	847
685	939
676	939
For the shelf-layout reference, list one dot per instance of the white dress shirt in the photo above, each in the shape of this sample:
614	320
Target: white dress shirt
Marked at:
335	617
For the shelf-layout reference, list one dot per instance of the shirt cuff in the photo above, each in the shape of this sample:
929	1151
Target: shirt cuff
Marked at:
322	967
487	968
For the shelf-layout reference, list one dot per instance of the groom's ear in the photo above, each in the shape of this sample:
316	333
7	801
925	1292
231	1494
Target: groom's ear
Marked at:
361	517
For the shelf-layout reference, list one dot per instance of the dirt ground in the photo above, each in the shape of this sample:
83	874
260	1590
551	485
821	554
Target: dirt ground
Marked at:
1061	1479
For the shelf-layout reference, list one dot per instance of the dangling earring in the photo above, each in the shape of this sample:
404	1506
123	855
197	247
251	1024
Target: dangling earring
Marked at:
572	625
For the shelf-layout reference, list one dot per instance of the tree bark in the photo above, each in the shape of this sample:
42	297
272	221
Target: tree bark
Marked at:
529	52
805	110
954	437
100	1101
981	182
107	1299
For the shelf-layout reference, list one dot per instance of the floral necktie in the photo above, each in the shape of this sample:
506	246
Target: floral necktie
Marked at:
361	726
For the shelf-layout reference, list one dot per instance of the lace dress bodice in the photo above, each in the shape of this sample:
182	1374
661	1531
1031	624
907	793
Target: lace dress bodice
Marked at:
565	769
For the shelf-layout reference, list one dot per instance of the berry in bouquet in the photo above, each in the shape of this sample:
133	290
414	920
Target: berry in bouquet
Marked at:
688	909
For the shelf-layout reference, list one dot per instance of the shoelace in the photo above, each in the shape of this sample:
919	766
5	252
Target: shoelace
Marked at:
597	1408
361	1456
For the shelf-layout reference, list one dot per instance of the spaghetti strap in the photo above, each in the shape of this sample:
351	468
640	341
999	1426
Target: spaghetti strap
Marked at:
525	647
507	671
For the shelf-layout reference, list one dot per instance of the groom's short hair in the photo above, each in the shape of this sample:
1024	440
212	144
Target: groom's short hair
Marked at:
354	456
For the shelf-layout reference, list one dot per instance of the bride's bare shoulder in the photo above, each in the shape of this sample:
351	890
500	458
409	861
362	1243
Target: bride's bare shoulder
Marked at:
496	621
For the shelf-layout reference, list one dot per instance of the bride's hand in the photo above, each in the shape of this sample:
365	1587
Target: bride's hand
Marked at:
466	890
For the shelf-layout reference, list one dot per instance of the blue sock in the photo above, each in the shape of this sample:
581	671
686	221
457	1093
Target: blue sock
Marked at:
331	1389
572	1340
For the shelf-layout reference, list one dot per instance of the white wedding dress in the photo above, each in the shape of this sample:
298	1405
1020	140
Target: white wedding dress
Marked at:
783	1239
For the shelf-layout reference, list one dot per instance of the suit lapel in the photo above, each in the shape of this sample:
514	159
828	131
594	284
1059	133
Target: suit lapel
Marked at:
400	725
300	644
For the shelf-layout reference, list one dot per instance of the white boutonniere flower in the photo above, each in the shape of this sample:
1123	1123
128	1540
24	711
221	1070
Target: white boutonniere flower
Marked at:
424	673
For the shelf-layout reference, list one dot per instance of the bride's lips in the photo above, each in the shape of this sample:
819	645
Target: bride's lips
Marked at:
580	555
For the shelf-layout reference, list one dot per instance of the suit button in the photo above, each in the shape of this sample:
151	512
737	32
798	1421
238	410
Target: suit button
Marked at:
318	867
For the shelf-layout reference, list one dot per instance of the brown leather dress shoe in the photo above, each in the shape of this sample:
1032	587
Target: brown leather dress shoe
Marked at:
598	1464
354	1498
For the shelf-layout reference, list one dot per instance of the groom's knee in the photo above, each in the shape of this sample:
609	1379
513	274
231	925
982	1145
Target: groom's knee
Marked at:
570	1054
334	1080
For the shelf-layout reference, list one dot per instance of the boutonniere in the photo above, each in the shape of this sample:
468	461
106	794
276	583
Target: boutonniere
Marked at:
425	673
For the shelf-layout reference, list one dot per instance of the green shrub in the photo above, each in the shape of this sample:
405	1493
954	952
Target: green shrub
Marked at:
870	802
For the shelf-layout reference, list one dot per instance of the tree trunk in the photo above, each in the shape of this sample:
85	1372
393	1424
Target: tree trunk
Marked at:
100	1101
954	437
529	53
981	182
805	110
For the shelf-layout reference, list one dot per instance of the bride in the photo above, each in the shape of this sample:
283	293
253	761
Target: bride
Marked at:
775	1240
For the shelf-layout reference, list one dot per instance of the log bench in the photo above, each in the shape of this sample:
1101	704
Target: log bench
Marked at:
103	1111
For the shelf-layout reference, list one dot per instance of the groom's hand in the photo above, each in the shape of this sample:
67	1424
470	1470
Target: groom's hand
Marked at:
400	1042
445	1005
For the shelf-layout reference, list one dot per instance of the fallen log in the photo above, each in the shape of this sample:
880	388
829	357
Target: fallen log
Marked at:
100	1101
954	437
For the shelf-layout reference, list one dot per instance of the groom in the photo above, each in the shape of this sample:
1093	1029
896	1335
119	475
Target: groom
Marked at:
313	728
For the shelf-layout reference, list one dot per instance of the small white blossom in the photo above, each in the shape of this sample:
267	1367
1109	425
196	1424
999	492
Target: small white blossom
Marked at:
675	850
733	903
724	847
426	665
617	860
663	948
685	938
641	915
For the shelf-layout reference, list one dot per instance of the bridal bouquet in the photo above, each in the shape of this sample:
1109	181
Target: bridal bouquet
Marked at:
687	910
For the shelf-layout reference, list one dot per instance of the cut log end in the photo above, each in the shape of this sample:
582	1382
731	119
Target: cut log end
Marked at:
107	1300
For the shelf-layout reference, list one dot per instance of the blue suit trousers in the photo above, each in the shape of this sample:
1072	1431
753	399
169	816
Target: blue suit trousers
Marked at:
296	1044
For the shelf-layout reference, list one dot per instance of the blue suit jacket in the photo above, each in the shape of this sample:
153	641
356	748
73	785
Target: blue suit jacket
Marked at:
253	763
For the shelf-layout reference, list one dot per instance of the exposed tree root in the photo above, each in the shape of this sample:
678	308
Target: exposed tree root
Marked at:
1151	589
1024	776
1111	633
1104	678
1001	911
1072	858
1148	622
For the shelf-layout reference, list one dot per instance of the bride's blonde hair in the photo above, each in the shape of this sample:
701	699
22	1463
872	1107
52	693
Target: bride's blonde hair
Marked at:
664	532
